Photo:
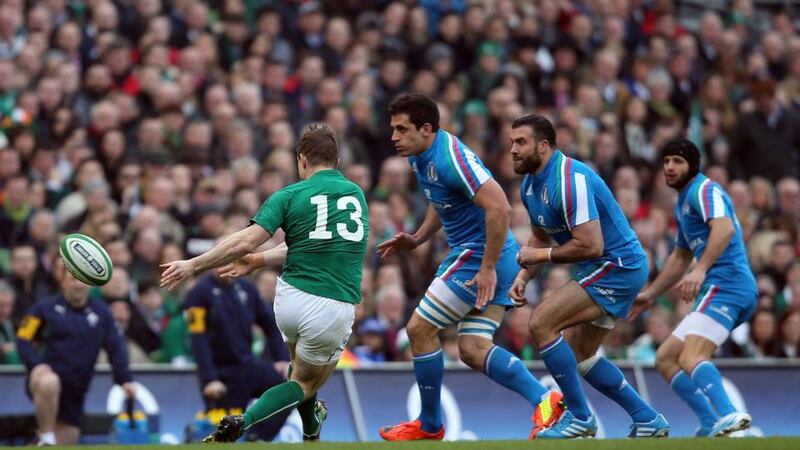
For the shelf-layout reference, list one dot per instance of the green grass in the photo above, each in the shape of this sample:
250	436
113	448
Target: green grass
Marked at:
792	443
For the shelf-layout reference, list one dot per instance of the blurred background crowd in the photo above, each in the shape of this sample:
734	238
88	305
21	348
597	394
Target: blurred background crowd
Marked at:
157	126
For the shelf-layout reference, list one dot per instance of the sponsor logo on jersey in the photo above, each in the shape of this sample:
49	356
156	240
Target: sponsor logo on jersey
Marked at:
694	243
606	292
545	199
556	230
463	285
722	311
541	219
529	192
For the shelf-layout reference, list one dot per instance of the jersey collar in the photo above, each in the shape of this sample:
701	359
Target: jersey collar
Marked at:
552	163
440	136
691	184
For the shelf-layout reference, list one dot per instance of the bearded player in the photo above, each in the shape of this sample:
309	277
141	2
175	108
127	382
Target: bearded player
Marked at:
721	285
570	204
324	217
471	285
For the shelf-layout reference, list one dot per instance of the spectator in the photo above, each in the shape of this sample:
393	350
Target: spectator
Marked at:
657	330
8	346
790	333
770	129
27	280
373	347
15	212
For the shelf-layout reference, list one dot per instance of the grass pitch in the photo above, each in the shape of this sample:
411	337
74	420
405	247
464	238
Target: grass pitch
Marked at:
787	443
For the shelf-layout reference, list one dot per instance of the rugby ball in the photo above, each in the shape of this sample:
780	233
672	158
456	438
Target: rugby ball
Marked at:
86	259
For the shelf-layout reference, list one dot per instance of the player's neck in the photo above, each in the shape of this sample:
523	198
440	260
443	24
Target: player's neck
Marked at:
311	171
545	160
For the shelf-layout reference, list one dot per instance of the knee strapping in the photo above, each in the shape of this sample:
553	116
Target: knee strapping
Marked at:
587	364
477	326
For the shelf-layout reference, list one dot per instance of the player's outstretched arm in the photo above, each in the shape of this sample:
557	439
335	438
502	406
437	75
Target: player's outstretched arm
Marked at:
228	250
675	266
253	261
402	242
493	200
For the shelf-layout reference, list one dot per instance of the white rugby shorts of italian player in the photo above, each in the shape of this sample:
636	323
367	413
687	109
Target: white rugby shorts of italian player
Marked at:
319	326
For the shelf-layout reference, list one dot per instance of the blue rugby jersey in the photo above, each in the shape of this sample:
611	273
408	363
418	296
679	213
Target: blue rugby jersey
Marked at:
449	175
567	193
700	201
69	340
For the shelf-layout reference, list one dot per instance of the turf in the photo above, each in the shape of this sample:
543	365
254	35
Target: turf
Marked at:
792	443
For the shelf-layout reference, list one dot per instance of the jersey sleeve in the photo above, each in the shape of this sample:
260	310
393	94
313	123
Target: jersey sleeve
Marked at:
708	201
680	241
469	173
27	333
272	213
577	199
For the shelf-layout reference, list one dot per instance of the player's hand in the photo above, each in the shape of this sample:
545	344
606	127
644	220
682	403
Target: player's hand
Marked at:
525	257
214	390
401	242
689	285
486	282
237	269
517	292
129	389
642	303
282	367
175	273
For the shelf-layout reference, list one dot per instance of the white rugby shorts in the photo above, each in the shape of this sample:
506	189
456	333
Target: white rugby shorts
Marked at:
319	326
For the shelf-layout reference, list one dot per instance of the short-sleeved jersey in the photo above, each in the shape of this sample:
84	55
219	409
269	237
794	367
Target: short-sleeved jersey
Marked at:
325	221
567	193
450	174
699	202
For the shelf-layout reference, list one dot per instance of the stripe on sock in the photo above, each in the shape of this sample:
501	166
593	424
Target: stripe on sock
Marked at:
546	348
486	360
697	367
427	356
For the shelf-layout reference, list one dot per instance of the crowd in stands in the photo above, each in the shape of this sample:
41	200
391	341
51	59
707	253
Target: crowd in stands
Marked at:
156	126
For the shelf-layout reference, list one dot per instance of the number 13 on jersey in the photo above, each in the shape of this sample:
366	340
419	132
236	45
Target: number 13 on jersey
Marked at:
345	203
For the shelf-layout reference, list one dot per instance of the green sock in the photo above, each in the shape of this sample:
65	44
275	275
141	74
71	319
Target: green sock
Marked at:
307	410
278	398
310	420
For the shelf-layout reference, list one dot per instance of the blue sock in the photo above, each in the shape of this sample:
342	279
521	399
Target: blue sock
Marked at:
707	377
609	380
560	361
688	391
508	371
429	369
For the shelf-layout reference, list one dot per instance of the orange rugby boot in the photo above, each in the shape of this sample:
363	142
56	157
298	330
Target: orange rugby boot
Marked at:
410	431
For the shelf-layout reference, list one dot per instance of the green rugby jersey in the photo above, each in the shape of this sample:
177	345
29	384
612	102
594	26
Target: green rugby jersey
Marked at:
325	221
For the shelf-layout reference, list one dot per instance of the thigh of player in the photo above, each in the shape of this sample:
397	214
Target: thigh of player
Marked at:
462	264
717	310
612	287
317	327
585	338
